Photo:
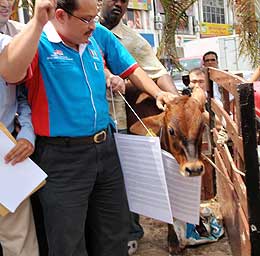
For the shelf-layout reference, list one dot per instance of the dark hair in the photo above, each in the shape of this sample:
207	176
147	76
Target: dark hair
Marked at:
68	5
210	52
198	71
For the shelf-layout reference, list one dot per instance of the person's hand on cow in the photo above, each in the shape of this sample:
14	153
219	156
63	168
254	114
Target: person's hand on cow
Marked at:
19	152
115	83
162	98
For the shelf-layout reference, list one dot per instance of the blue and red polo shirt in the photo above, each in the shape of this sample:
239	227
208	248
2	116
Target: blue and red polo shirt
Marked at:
67	90
114	53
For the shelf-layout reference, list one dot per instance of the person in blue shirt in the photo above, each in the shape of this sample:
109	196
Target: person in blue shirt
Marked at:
74	144
17	230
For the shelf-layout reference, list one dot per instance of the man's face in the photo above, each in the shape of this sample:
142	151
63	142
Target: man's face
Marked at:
5	10
210	60
198	79
77	26
113	10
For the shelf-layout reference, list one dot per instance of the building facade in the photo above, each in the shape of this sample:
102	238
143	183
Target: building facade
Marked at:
206	18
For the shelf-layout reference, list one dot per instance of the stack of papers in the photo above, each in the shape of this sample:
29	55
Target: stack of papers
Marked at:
154	185
18	181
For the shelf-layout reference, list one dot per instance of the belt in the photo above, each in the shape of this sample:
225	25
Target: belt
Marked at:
94	139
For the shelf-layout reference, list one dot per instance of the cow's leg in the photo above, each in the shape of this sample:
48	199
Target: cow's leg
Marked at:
173	241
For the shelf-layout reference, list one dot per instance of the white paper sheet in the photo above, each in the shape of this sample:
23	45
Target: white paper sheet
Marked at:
141	161
18	181
184	192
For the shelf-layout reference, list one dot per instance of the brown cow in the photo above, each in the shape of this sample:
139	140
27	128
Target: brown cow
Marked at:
180	128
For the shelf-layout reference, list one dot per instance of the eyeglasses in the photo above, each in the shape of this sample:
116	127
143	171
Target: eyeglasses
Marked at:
208	60
86	21
197	81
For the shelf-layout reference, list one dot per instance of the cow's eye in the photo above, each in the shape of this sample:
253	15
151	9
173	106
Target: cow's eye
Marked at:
171	131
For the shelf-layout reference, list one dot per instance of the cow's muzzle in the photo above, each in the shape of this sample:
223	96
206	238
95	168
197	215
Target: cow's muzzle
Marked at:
192	169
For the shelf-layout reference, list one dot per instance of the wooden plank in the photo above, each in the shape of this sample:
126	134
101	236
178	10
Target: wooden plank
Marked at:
252	179
236	179
222	153
226	80
230	83
207	183
231	127
234	217
240	189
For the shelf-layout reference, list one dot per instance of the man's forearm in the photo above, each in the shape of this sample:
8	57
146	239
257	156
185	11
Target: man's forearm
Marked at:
166	83
144	83
255	76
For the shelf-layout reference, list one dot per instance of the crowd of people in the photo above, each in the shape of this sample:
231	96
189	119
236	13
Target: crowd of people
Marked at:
57	74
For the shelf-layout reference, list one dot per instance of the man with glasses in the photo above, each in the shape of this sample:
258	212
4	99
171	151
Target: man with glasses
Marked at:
197	77
210	59
71	120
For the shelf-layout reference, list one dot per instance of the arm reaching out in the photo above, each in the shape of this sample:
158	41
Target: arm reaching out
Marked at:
255	76
144	83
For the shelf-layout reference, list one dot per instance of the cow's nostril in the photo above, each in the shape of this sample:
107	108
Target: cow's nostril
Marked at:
188	171
194	171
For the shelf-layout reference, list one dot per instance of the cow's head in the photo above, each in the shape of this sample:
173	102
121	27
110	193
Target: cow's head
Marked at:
181	127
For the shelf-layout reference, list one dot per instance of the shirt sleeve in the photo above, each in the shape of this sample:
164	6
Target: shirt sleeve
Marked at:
24	115
4	40
118	59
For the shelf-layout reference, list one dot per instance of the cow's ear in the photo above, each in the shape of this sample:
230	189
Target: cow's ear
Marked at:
143	96
153	123
199	95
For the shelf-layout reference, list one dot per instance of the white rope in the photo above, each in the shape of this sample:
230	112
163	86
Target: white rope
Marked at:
114	109
139	119
222	140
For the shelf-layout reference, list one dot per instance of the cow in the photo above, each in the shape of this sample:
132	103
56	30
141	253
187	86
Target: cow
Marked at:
180	128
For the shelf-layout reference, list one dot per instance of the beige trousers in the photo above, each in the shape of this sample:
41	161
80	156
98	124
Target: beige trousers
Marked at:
17	232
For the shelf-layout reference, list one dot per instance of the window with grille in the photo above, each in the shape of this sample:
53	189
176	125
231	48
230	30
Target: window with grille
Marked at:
213	11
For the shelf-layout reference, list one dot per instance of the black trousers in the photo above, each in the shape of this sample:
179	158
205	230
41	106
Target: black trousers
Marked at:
84	189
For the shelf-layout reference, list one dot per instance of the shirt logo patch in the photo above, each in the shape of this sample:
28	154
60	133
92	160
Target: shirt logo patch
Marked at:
93	54
58	55
58	52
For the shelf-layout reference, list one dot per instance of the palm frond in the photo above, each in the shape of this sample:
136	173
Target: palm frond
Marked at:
175	14
246	12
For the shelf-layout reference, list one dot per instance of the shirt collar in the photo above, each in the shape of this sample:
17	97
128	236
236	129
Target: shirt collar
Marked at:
118	30
51	33
54	37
